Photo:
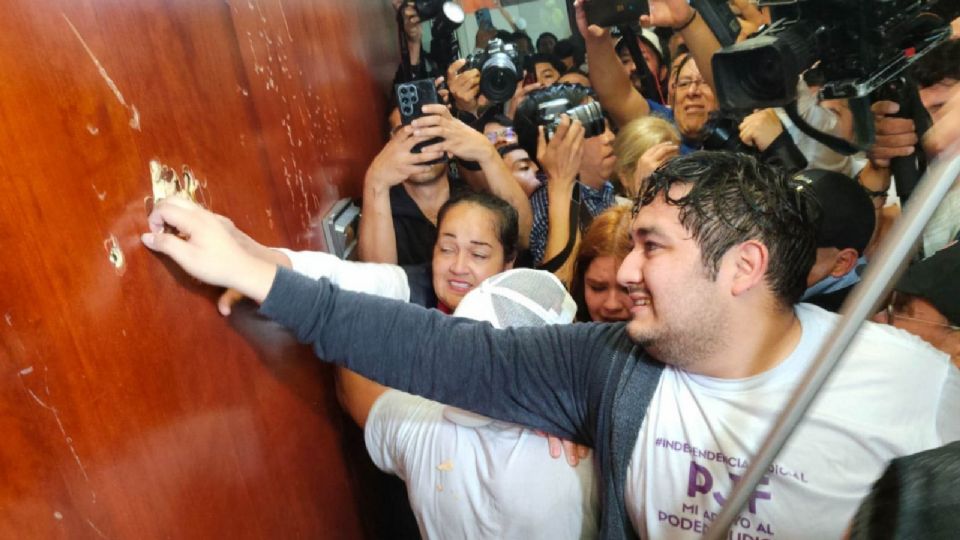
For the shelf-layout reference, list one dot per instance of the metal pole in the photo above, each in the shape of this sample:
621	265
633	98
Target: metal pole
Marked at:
862	302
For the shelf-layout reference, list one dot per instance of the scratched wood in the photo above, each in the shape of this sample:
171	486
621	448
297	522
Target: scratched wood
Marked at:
128	407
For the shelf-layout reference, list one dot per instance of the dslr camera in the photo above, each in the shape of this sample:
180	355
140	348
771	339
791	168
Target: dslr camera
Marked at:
500	71
589	114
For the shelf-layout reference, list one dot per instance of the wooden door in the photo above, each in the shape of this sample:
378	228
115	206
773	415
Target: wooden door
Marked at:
128	407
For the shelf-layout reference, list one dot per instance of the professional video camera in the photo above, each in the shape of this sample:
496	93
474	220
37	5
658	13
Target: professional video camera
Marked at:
860	44
589	114
500	70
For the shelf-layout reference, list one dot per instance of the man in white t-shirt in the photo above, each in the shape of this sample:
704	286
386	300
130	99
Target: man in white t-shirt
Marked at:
722	248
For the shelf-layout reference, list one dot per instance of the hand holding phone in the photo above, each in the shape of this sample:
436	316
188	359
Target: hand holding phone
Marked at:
411	97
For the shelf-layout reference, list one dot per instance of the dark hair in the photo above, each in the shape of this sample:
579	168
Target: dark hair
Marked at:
941	63
552	59
545	35
503	35
565	48
507	225
734	198
520	34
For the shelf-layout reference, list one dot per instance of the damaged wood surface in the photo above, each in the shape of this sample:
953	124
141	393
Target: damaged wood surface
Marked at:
129	407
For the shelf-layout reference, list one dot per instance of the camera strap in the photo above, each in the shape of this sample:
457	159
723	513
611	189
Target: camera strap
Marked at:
648	80
837	144
406	69
578	213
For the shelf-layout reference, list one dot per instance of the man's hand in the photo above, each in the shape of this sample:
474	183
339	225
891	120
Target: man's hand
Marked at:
944	136
561	157
667	13
206	247
760	129
557	447
651	160
896	137
588	31
231	296
465	86
395	163
510	110
459	139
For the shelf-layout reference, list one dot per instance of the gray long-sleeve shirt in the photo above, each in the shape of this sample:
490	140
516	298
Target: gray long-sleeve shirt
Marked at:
587	382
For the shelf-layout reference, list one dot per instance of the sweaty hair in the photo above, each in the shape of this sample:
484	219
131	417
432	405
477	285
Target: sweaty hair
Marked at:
565	48
507	221
734	198
543	58
607	236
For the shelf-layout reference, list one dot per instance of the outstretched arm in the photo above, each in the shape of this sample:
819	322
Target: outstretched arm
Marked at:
537	377
616	92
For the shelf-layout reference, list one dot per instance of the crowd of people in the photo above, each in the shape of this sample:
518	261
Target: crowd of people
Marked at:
711	269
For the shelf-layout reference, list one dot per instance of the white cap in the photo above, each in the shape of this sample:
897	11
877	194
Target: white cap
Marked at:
512	299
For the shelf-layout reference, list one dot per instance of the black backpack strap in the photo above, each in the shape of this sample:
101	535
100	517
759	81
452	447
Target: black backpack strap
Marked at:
577	209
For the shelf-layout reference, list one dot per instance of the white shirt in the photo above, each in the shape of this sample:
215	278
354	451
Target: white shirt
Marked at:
892	395
493	481
823	119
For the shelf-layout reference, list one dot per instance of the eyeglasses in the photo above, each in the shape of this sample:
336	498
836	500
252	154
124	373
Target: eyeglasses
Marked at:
506	134
683	84
897	303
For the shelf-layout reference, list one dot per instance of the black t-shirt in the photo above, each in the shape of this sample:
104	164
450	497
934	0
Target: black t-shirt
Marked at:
415	234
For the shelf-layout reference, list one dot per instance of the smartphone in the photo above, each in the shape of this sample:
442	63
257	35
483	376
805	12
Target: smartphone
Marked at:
607	13
530	77
411	97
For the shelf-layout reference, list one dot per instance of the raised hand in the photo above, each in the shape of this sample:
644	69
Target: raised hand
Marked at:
465	87
896	137
459	139
667	13
651	160
561	157
760	129
395	163
588	31
206	247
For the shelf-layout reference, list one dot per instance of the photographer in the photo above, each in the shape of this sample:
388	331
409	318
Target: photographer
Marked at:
403	191
418	64
937	76
652	51
694	99
578	160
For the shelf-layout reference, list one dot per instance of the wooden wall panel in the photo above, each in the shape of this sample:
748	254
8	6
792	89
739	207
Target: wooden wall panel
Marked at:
128	407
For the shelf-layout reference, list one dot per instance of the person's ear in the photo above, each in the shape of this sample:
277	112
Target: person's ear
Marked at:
845	261
751	260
